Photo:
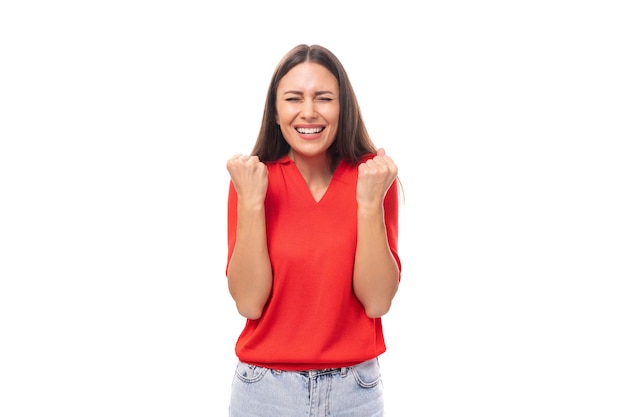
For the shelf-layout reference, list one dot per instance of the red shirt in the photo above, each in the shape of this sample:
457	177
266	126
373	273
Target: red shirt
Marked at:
312	319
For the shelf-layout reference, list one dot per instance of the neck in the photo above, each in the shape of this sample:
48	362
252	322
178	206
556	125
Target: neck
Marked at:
314	169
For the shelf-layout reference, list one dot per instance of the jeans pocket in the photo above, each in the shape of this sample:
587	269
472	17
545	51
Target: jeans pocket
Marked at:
367	374
249	373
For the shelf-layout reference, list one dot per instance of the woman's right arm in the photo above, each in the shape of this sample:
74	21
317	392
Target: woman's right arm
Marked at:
249	271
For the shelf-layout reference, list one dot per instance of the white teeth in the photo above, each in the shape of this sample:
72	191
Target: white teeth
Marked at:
309	130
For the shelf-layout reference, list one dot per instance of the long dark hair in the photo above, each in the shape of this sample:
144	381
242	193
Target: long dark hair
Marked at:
353	141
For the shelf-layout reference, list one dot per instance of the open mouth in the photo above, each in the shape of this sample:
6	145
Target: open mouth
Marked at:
309	130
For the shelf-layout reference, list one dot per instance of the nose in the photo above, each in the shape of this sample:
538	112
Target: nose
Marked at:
308	109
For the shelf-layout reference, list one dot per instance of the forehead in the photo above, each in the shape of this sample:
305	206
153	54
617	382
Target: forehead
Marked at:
308	76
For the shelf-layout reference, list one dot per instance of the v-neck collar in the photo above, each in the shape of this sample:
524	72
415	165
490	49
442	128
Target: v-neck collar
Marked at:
286	160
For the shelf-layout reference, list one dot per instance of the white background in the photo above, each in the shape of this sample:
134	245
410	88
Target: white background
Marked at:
507	121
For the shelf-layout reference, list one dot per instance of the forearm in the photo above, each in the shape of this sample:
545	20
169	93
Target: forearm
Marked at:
249	270
376	273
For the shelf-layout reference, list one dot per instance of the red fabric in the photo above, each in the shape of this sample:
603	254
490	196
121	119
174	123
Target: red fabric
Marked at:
312	320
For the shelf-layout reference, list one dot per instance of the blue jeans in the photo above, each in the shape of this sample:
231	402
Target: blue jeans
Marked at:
355	391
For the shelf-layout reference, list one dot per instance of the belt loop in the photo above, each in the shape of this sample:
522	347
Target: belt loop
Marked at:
344	371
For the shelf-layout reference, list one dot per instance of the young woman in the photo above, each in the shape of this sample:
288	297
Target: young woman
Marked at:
312	249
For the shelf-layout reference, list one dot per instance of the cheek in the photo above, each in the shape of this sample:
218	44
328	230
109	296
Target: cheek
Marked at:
281	115
333	121
332	114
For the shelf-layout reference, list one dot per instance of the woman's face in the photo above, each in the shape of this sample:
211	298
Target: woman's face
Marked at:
307	106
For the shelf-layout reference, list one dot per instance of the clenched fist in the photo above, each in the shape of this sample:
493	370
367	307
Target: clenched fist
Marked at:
249	176
375	177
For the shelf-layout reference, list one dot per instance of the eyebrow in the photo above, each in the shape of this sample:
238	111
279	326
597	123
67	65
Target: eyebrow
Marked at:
317	93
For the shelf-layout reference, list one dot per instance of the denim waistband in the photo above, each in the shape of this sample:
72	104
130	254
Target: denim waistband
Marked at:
326	371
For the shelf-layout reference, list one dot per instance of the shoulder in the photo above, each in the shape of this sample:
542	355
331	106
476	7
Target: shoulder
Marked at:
277	164
366	157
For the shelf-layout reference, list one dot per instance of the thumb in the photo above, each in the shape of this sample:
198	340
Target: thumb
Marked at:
380	152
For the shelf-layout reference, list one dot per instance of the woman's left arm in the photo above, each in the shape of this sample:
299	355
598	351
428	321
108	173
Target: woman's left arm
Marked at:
376	269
